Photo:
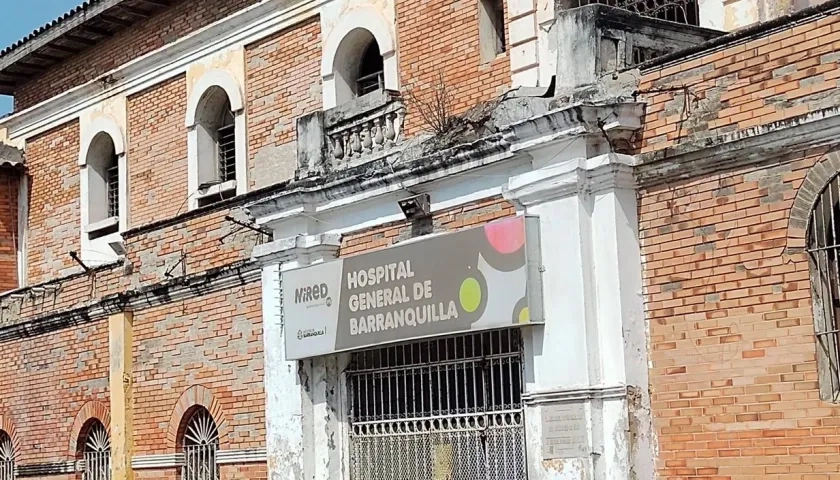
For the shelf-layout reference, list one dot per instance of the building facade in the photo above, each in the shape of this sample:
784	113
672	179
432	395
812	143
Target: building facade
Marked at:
312	240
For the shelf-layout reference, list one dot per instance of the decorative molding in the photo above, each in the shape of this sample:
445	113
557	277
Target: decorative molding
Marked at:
739	149
575	395
244	27
146	297
229	457
146	462
175	460
316	195
47	469
278	251
560	180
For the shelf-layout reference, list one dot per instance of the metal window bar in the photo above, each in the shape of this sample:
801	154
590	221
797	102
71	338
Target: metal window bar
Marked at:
686	12
824	250
113	180
7	457
444	408
227	153
201	442
97	455
371	83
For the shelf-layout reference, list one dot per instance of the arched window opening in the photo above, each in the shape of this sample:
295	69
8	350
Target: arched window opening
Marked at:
7	457
491	28
824	256
200	442
97	452
103	187
359	67
371	71
216	147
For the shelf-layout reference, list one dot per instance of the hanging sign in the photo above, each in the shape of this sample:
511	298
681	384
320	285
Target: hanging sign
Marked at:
477	279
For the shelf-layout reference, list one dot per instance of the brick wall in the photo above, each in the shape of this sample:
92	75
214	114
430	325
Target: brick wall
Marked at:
54	213
184	17
157	152
9	182
213	340
458	218
761	81
453	52
283	82
44	383
733	373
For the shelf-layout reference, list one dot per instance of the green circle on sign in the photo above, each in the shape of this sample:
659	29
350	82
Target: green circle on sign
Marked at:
470	295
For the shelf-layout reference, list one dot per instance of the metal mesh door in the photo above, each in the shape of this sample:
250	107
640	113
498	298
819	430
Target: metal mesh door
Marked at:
97	454
201	442
7	457
444	409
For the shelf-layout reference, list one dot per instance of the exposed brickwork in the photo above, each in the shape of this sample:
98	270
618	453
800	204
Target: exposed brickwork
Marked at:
255	471
452	51
734	384
9	181
54	214
214	341
157	152
45	381
765	80
283	83
184	17
458	218
92	411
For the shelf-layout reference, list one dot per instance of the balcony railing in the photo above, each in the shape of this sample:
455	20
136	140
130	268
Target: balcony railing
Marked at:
360	131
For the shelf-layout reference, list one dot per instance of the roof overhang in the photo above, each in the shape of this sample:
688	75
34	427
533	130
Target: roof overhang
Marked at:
86	25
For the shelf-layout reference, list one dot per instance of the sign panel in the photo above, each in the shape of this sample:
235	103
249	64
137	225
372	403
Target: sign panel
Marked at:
564	432
477	279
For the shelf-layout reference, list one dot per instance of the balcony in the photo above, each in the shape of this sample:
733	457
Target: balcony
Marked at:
361	131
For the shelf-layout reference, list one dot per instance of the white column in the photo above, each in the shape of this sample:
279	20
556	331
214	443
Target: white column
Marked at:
300	406
580	364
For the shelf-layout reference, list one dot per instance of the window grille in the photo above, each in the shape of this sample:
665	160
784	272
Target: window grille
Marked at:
113	180
371	71
444	408
824	250
7	457
686	12
201	442
227	153
97	454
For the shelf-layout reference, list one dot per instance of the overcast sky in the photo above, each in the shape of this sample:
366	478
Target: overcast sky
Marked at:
20	18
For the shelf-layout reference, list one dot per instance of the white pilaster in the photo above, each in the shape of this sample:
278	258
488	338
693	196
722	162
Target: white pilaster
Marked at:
594	324
301	405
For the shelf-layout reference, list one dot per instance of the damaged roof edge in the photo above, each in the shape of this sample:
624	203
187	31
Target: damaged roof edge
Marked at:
52	30
805	15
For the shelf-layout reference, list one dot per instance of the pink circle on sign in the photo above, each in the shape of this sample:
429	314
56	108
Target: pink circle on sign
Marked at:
507	236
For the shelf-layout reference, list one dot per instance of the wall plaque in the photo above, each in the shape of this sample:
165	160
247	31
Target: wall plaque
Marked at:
564	432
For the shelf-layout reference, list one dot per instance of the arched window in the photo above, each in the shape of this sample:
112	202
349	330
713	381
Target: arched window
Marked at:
96	451
491	28
7	457
824	257
103	187
359	68
200	442
216	140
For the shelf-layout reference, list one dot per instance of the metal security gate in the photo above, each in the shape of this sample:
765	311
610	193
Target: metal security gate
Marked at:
7	457
97	454
824	252
443	409
201	442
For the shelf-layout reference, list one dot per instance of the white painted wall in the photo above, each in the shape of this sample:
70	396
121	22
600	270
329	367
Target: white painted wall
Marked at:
593	309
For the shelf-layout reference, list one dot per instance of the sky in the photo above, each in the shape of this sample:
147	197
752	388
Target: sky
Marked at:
20	18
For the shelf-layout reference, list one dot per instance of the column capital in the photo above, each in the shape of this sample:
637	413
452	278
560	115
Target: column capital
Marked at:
565	179
300	249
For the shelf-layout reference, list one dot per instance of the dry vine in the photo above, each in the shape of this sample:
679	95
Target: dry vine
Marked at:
435	104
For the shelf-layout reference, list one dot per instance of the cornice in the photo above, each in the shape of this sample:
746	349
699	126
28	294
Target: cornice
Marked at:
242	28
